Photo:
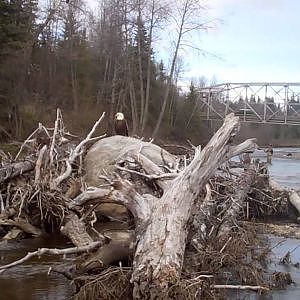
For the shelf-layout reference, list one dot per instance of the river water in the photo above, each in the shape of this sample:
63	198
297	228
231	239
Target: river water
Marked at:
30	281
286	171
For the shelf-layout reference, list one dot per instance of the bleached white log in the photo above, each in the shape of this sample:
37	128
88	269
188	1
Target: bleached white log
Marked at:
104	156
160	250
295	200
294	197
162	223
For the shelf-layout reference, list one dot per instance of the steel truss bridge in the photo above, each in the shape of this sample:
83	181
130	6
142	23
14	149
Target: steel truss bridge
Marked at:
255	102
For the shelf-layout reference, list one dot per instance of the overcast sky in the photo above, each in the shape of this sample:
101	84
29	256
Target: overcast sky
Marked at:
256	40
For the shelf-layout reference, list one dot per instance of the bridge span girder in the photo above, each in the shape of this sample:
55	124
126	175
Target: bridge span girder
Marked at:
256	102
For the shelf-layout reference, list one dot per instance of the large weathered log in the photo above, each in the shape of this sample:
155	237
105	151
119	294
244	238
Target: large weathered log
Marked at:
119	248
101	159
15	169
162	224
75	230
294	197
295	200
104	159
160	249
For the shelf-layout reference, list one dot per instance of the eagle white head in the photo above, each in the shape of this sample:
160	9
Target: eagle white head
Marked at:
119	116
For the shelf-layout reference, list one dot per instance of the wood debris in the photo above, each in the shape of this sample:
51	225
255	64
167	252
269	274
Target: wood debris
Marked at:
180	229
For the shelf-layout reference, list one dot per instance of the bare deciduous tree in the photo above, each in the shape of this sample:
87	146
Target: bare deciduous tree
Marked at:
185	20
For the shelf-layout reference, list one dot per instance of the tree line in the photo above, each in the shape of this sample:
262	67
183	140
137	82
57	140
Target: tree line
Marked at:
86	61
58	54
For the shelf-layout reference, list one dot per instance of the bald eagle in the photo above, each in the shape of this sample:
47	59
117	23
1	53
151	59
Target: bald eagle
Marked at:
121	127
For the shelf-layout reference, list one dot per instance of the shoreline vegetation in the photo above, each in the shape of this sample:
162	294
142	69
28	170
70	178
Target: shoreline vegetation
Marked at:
158	247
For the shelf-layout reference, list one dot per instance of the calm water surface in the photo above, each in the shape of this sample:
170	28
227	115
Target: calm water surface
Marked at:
286	171
29	281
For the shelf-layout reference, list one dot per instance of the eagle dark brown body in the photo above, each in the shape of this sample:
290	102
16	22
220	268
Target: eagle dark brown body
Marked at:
121	127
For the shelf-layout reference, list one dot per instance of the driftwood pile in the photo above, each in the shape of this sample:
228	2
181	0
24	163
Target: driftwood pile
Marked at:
145	224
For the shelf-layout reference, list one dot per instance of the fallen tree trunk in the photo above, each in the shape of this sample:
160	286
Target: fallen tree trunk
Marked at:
237	204
160	249
293	196
295	200
15	169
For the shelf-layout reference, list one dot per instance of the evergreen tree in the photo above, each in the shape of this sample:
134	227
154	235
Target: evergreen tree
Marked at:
192	94
17	24
17	29
161	72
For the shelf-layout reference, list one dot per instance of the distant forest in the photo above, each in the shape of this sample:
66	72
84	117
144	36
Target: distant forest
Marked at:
57	54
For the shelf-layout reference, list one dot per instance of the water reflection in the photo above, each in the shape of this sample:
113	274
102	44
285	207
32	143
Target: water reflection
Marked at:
30	280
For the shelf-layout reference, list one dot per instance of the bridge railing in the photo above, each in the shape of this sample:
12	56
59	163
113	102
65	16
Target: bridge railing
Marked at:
276	103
